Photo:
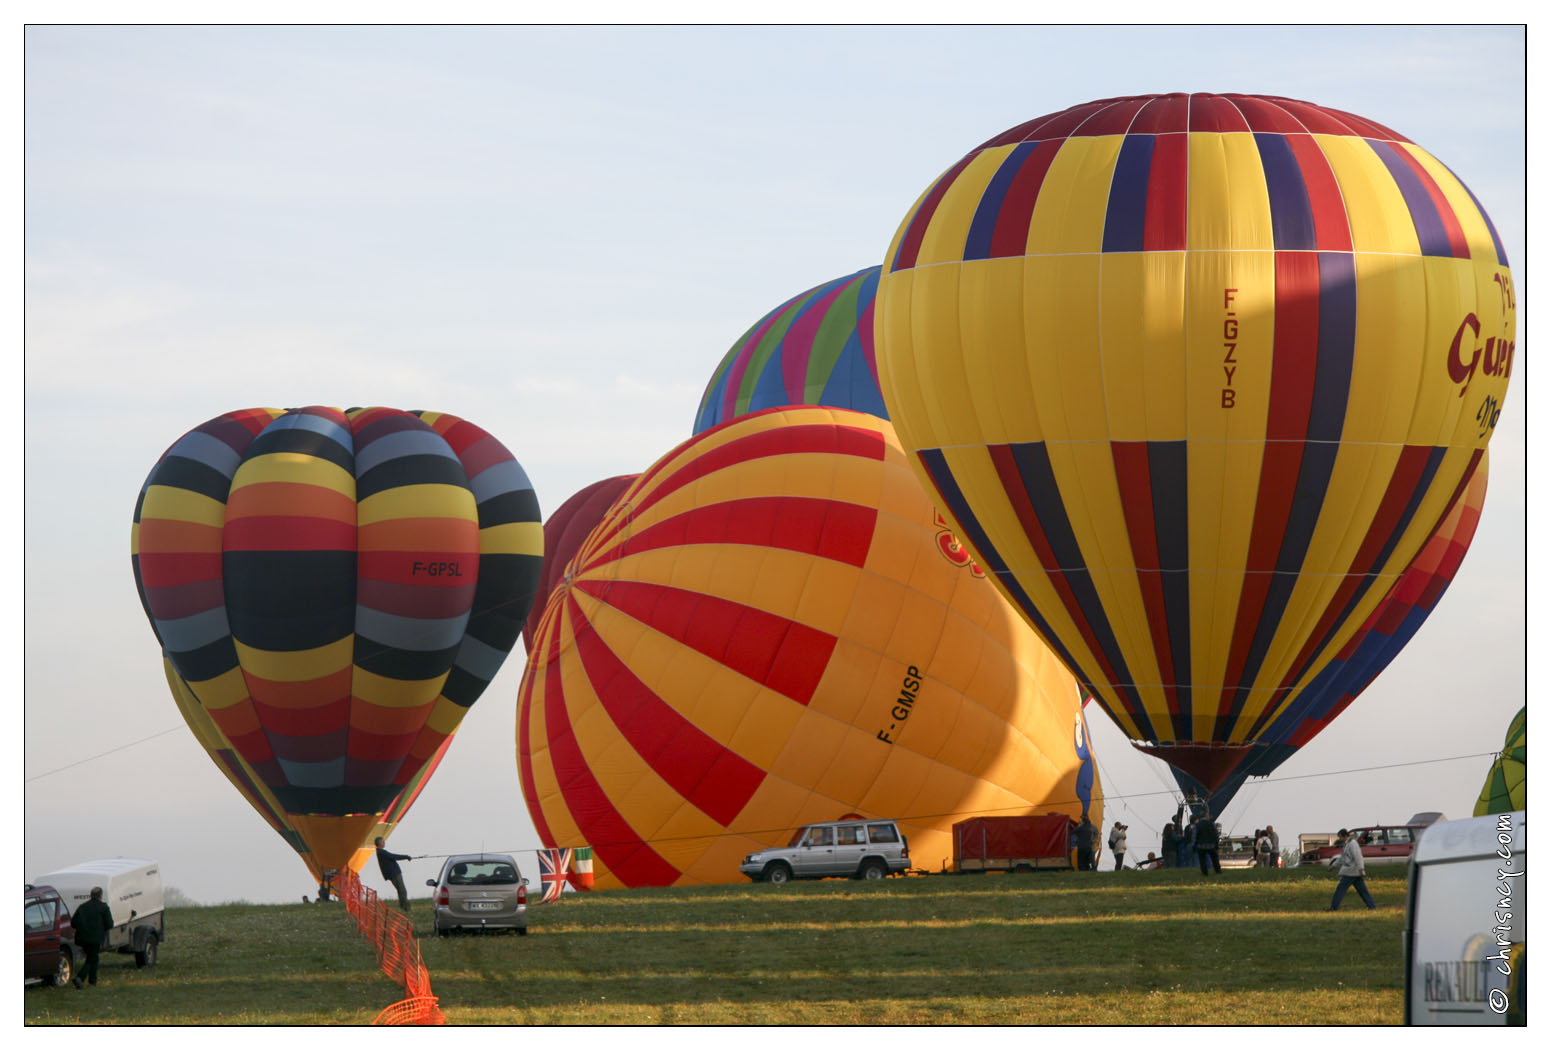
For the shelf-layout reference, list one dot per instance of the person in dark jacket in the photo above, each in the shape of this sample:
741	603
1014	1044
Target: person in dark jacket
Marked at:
388	862
92	922
1207	838
1087	840
1170	844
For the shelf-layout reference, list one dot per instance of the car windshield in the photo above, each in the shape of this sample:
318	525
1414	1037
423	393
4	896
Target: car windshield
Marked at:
481	873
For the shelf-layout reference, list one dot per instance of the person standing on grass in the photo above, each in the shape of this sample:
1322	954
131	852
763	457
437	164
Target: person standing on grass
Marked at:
1117	844
1263	856
1352	870
1087	840
1276	846
1206	844
388	862
1170	845
92	922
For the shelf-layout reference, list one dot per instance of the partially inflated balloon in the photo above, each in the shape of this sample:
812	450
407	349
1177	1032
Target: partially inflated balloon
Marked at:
814	349
767	629
334	590
1196	377
1504	787
564	531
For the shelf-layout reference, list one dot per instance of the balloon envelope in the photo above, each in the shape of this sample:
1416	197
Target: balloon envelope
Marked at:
564	531
1504	789
767	629
333	591
1196	377
814	349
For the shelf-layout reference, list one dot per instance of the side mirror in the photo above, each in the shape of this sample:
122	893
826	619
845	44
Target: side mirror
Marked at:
525	882
430	883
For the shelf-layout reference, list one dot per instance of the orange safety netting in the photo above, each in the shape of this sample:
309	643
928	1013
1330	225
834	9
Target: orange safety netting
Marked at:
398	951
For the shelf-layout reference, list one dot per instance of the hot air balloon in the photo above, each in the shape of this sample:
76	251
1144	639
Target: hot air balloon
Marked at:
1504	788
765	631
1195	377
564	531
332	591
814	349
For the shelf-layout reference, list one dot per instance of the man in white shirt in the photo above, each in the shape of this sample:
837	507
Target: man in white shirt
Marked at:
1351	869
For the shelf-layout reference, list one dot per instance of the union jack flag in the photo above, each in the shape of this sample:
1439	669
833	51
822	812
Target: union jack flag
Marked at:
553	866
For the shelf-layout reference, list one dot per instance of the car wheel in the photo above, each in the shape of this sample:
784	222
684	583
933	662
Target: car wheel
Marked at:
63	971
872	868
146	957
779	872
522	930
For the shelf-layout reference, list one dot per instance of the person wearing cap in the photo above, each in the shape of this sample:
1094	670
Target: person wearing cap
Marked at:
1117	844
1351	870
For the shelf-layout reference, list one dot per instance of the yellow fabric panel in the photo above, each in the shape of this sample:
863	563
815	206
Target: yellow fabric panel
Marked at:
857	678
1227	206
183	505
1141	346
417	501
296	468
1065	366
296	665
1069	213
1059	329
512	538
893	326
1230	298
445	716
944	238
224	690
929	317
385	692
995	339
1394	313
1380	219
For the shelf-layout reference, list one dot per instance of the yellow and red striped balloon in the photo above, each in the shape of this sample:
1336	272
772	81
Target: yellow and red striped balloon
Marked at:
770	627
332	591
1196	376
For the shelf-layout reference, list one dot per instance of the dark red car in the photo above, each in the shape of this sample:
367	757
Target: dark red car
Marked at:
1382	844
50	940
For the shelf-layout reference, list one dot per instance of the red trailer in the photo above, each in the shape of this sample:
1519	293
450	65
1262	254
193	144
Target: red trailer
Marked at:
1012	844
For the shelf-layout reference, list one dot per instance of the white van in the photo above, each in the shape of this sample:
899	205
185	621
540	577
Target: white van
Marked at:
132	889
1465	931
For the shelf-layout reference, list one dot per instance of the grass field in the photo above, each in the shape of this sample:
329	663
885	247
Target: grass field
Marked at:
1169	948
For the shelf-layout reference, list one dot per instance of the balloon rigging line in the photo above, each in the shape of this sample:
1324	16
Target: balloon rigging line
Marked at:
99	755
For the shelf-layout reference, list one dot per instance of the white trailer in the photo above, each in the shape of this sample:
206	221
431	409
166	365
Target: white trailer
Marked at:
132	889
1465	932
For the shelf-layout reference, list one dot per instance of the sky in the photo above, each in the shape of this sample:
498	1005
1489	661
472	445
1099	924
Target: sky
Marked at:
557	233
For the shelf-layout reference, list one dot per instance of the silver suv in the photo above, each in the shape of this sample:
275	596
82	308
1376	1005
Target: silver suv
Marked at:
857	848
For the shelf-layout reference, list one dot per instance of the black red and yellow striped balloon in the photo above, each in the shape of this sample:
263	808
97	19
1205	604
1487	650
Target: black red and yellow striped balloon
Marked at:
335	589
1196	376
770	626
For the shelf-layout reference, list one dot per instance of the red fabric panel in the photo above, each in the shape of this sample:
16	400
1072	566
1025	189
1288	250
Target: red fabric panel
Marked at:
1167	192
1332	232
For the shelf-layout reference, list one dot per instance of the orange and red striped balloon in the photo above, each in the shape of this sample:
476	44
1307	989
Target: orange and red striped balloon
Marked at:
765	630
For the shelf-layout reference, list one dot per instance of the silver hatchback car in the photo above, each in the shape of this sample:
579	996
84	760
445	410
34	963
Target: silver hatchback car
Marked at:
479	892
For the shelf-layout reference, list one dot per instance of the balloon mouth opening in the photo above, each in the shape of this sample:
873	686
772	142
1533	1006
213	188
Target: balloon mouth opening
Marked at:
1210	764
